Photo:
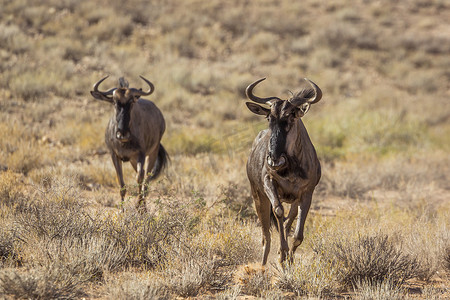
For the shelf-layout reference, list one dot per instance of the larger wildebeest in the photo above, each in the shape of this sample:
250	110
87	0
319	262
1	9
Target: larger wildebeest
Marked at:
283	165
134	133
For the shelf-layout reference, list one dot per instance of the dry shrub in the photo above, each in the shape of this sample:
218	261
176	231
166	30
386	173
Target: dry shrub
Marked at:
58	228
8	243
254	280
13	39
26	158
312	277
426	242
343	35
200	263
385	290
186	277
10	190
55	233
237	199
200	259
144	237
357	178
134	287
231	293
53	282
230	243
345	181
373	259
187	142
446	258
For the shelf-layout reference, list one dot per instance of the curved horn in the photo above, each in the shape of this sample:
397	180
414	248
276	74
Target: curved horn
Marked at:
249	93
317	91
96	85
142	93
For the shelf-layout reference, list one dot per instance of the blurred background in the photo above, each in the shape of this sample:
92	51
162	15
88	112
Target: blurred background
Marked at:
382	66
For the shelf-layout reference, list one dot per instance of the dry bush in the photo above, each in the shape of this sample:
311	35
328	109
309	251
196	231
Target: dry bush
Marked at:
188	143
8	247
446	258
13	39
231	243
53	282
343	35
357	178
64	234
237	200
10	191
313	277
203	261
186	277
132	286
372	259
254	280
231	293
57	227
427	242
385	290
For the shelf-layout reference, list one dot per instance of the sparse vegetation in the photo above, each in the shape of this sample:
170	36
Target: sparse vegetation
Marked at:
372	259
379	218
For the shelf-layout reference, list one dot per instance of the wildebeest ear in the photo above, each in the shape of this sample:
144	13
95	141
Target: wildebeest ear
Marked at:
303	109
100	96
136	97
257	109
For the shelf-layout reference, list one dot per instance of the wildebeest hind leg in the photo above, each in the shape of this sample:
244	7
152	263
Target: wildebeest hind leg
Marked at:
148	166
118	166
293	211
140	168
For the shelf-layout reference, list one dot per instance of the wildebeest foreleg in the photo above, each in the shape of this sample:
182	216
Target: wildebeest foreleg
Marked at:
271	191
118	166
303	209
272	194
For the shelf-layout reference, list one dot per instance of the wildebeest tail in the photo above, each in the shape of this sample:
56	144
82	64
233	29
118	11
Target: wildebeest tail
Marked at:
161	162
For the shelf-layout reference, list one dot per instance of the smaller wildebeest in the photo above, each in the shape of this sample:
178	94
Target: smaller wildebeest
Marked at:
283	166
133	134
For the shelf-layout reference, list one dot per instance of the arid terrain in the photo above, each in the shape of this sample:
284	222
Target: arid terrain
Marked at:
379	223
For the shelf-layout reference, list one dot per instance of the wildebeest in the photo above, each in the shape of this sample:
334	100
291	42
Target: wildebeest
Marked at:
283	166
133	134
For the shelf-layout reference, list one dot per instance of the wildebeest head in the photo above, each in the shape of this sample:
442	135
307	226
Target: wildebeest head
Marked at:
282	116
123	99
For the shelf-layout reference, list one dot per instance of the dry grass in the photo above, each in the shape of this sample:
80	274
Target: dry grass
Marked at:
381	132
372	259
312	276
379	291
133	286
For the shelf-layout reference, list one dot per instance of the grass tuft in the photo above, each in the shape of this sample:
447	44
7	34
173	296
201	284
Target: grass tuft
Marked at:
373	259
